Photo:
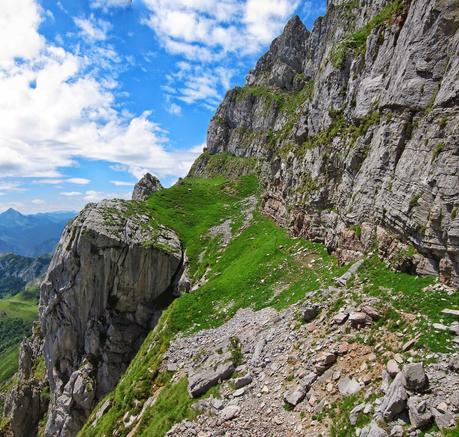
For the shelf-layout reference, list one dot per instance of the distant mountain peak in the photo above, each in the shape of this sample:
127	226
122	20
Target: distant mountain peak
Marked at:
11	212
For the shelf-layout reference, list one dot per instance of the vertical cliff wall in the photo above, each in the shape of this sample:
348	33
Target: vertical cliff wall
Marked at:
112	273
355	126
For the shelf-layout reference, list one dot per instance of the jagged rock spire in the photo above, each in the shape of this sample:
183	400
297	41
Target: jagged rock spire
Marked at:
148	185
284	59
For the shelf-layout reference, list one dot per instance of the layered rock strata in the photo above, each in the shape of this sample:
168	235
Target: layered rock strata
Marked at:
355	126
112	273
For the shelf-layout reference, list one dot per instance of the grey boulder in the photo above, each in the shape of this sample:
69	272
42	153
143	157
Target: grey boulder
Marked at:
394	401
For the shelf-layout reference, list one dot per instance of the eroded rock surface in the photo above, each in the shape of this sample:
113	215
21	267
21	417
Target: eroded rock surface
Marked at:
358	145
112	273
146	186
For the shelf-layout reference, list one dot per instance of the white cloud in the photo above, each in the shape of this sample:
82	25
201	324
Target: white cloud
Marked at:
97	196
122	183
71	193
105	5
233	26
38	202
11	186
55	110
78	181
174	109
92	28
18	24
211	37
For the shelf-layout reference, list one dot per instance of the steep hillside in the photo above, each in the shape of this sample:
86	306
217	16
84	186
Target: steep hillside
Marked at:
302	280
355	128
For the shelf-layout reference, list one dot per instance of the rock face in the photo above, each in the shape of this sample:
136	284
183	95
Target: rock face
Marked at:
357	140
100	298
27	401
148	185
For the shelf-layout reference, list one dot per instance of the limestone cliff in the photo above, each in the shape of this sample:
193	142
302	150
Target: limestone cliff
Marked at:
355	126
112	273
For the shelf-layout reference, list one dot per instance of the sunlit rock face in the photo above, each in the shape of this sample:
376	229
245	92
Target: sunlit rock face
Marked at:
104	291
355	126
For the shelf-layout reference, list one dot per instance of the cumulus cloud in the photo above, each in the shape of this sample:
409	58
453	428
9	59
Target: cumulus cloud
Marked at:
18	23
38	202
55	110
207	36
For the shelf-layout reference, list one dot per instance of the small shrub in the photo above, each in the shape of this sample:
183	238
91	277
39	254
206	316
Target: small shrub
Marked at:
437	150
414	200
236	353
442	122
358	230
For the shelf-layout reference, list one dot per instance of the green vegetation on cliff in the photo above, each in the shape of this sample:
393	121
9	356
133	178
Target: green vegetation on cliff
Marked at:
261	265
357	41
17	314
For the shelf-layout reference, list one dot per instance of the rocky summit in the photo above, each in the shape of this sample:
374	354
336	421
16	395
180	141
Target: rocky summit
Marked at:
302	280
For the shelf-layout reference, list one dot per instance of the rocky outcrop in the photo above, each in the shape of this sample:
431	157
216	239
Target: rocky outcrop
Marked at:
112	273
28	400
148	185
355	129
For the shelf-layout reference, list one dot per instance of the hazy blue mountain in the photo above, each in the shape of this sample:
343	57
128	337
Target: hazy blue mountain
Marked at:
16	271
31	235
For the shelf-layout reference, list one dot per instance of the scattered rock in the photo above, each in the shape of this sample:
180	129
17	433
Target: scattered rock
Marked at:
359	319
392	368
340	318
370	311
450	312
200	382
394	401
454	363
397	431
410	343
342	280
349	386
415	377
354	414
242	381
323	361
442	407
308	380
443	420
310	312
440	327
419	412
373	430
295	396
230	412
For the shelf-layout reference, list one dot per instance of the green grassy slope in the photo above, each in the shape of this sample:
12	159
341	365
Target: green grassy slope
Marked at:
261	266
16	316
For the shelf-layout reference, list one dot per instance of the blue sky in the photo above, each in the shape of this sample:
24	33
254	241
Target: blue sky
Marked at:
94	93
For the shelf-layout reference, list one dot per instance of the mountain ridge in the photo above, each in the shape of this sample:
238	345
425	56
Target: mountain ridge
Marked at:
283	256
31	234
